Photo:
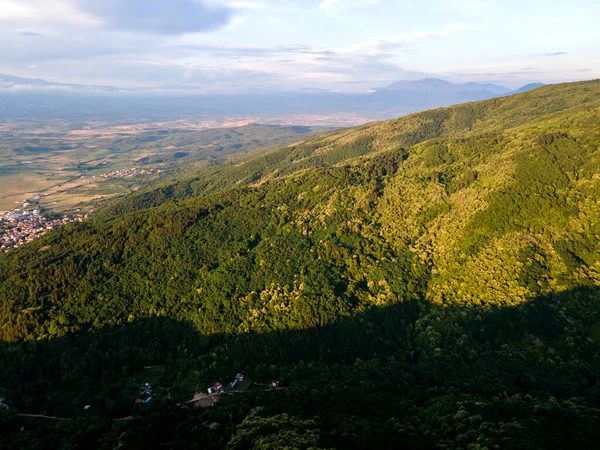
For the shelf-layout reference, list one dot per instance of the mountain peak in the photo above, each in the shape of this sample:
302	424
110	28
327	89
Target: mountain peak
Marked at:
528	87
440	85
435	82
425	82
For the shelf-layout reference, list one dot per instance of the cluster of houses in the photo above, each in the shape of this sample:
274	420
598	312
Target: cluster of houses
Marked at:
206	402
146	394
212	395
126	173
23	225
218	388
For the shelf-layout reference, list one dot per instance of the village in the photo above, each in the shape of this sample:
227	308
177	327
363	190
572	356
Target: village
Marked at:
128	173
235	386
148	391
27	223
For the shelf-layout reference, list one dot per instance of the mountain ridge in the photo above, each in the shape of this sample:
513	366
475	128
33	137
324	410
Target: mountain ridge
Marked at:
412	131
473	124
432	280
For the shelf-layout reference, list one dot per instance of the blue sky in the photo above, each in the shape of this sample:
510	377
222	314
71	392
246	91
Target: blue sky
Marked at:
333	45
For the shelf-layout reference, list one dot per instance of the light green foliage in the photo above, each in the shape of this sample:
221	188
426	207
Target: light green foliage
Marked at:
283	432
432	280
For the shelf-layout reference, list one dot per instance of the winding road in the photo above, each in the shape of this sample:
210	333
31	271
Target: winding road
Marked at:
42	416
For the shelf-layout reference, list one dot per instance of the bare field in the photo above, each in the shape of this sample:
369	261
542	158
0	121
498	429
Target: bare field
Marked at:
8	203
68	201
21	184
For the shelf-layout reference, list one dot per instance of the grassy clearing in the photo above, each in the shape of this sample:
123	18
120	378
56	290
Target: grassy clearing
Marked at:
150	375
191	384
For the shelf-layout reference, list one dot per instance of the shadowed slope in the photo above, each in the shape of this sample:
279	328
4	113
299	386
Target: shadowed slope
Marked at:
412	375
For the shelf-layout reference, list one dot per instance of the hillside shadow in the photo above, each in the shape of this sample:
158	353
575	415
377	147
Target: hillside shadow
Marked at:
108	354
546	347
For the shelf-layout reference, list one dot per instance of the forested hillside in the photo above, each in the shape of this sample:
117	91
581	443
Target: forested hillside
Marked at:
431	281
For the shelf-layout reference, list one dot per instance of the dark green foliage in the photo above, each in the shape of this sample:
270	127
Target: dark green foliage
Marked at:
467	180
430	282
538	196
436	155
408	376
534	273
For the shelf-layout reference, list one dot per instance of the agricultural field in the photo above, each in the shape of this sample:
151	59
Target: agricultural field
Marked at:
76	168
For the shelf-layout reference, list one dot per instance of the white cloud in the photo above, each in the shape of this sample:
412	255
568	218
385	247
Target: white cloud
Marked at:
330	4
173	17
393	43
288	44
46	12
153	16
469	7
464	27
246	5
548	19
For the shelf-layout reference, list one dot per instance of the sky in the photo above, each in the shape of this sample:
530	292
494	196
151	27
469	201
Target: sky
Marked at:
282	45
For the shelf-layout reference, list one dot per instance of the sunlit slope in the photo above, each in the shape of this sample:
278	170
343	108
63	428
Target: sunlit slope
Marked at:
492	117
485	205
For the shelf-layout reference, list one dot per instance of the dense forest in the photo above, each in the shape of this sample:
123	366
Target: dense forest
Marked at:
427	282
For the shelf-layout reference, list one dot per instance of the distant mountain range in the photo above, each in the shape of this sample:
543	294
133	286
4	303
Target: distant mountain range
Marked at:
17	84
433	92
41	98
437	85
